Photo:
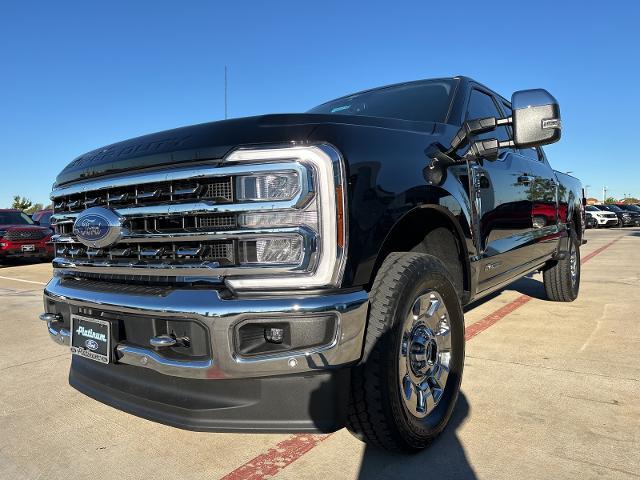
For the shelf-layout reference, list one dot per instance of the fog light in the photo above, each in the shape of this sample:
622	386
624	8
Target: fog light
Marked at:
274	335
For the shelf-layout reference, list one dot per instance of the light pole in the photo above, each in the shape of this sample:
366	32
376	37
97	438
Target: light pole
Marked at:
604	194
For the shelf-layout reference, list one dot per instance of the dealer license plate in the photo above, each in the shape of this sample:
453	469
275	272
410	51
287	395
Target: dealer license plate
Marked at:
28	248
91	338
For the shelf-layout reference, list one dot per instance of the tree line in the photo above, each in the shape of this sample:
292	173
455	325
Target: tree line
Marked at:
26	205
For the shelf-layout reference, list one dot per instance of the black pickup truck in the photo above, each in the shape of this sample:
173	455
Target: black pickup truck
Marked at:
305	272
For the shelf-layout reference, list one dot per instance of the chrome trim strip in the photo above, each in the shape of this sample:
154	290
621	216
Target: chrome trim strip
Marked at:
197	236
174	174
147	358
179	209
134	266
221	316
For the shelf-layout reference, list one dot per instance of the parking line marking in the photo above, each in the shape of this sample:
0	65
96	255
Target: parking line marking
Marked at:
21	280
291	449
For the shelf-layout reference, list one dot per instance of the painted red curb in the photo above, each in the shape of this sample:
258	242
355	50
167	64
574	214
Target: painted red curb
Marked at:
275	459
597	251
481	325
291	449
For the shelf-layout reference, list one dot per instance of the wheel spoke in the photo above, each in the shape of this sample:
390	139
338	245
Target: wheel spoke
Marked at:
443	334
434	306
424	402
439	377
407	387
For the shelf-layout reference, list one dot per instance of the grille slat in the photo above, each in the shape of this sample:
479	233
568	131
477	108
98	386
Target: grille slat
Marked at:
169	253
18	235
219	190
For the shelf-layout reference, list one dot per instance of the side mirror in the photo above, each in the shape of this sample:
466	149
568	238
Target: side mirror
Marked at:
536	118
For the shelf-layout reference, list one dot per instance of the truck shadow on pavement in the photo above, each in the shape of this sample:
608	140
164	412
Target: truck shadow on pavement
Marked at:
526	285
17	262
444	459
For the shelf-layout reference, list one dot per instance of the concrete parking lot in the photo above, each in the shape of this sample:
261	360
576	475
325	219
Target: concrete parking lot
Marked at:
550	391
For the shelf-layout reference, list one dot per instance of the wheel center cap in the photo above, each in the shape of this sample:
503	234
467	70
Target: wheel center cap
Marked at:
423	351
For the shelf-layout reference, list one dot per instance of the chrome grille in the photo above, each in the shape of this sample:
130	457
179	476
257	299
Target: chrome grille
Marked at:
219	190
165	254
17	235
182	221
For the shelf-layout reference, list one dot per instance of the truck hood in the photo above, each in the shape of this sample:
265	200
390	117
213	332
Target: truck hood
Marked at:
212	141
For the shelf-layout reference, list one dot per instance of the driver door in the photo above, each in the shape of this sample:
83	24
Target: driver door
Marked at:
503	209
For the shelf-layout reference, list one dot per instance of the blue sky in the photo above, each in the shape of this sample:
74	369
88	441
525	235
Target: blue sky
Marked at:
78	75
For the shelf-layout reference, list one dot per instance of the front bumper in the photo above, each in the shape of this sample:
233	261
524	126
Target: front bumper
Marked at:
609	222
630	221
301	391
12	249
219	317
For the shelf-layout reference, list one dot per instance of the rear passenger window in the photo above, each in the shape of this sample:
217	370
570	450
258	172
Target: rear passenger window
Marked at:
482	105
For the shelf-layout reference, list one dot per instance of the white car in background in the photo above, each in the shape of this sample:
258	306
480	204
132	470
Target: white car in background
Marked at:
604	219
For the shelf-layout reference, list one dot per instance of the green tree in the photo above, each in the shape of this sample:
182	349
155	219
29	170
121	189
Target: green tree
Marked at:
34	208
21	203
610	200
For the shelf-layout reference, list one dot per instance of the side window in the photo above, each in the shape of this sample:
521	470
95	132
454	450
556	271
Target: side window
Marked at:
529	154
507	109
482	105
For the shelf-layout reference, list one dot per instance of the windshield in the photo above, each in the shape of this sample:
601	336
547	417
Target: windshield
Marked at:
631	208
591	208
45	219
613	208
424	101
15	218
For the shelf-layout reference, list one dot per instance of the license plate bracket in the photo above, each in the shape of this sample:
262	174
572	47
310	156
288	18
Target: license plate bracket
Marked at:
91	338
28	248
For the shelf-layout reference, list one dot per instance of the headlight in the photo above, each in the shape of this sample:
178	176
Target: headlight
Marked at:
269	186
295	218
278	250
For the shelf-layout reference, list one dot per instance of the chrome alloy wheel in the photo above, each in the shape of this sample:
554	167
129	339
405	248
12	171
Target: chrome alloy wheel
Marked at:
425	354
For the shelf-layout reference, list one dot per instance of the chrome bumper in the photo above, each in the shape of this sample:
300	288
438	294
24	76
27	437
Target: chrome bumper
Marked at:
220	317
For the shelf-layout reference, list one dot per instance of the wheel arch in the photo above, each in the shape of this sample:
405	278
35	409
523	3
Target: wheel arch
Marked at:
432	229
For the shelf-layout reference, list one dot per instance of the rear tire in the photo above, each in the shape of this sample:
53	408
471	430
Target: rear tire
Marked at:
405	388
562	280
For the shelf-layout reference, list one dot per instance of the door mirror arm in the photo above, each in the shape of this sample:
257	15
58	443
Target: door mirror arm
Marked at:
535	121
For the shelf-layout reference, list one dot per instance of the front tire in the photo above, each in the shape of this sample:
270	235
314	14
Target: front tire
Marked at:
562	280
405	389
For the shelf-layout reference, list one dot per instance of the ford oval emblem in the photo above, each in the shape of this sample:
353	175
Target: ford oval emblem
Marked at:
98	227
91	344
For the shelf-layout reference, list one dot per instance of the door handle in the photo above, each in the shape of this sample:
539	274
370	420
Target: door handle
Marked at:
525	179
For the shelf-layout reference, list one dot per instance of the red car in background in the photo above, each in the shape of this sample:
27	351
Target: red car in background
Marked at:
21	237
